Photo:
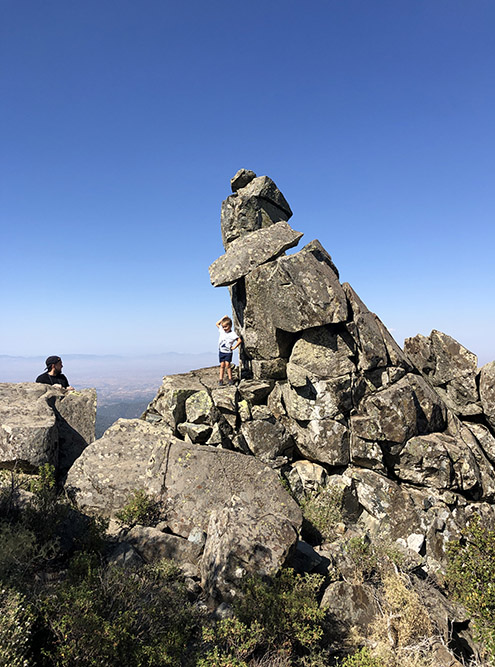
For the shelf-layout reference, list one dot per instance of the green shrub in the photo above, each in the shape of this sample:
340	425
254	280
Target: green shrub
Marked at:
363	556
16	623
323	511
231	642
119	617
362	658
471	578
141	509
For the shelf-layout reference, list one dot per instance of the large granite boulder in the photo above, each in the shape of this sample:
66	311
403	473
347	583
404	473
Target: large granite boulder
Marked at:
450	367
193	484
44	424
286	296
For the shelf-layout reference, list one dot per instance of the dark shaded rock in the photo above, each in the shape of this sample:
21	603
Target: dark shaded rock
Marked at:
353	605
153	545
241	179
266	439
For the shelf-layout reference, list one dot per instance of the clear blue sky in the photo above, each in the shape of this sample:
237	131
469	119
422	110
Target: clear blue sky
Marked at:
122	122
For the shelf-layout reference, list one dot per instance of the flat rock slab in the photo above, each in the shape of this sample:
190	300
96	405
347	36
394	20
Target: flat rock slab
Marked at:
248	252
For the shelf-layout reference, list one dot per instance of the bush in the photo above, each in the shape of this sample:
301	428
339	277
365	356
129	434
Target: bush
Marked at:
363	556
16	622
119	617
280	618
323	511
471	579
362	658
141	509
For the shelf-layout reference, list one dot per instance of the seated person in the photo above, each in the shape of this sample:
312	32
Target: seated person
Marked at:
53	373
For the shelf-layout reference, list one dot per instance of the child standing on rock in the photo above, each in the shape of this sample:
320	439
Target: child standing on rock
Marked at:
228	341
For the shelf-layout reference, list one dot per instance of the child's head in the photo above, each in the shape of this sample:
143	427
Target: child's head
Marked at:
226	324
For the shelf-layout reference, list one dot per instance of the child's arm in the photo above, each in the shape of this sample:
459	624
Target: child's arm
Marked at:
220	321
238	342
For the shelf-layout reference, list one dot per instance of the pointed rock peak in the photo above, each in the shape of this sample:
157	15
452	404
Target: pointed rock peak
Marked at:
242	178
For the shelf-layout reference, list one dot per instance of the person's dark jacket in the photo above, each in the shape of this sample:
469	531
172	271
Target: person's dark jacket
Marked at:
46	378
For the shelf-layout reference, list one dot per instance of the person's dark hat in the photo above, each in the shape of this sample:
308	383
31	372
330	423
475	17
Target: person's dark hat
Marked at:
52	360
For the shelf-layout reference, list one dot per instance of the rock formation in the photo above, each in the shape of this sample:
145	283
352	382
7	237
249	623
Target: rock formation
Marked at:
41	424
324	399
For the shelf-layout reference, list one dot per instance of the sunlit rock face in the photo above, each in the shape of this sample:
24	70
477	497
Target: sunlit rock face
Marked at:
42	423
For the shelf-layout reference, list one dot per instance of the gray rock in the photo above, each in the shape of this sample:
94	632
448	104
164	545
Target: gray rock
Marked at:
265	188
450	367
198	407
306	477
170	401
320	353
242	542
225	399
376	347
269	369
153	545
325	441
407	408
485	439
76	418
265	439
124	555
391	512
195	432
326	399
487	392
286	296
44	424
197	536
28	432
431	460
255	391
366	453
248	252
352	605
241	179
190	480
111	468
305	558
241	215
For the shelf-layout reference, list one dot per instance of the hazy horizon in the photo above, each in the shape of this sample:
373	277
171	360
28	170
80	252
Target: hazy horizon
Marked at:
115	376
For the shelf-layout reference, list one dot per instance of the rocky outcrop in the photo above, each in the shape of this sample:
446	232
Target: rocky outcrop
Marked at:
44	424
450	368
194	485
399	444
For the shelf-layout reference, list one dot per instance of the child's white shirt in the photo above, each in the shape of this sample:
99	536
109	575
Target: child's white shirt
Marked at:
226	339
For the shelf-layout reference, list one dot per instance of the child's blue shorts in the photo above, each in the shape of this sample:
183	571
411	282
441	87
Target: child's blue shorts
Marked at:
225	356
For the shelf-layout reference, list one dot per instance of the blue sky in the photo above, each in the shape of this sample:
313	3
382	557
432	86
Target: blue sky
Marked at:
122	122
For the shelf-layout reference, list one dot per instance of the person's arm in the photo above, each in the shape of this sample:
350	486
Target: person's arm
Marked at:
220	322
238	342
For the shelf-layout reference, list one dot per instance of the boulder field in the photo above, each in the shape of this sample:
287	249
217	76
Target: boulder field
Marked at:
324	399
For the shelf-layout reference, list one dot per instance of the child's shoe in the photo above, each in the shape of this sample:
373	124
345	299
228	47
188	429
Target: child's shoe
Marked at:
220	383
231	382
